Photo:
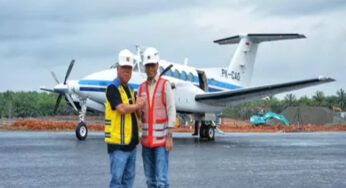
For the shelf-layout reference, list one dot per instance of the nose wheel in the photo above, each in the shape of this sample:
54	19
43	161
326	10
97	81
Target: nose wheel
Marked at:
81	131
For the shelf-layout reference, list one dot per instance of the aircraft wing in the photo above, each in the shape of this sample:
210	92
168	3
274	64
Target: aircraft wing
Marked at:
227	98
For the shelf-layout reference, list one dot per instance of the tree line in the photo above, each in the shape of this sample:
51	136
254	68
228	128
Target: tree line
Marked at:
35	104
30	104
246	110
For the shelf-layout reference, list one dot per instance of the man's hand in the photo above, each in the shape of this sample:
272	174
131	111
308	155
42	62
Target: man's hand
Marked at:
140	102
169	143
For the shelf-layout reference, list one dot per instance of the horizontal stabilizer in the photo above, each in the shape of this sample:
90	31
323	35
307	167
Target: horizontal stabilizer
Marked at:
257	38
227	98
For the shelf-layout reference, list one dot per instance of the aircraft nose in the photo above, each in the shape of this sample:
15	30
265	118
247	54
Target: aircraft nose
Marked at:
61	88
75	87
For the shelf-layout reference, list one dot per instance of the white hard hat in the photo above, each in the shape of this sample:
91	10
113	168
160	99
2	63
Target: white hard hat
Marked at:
150	55
125	58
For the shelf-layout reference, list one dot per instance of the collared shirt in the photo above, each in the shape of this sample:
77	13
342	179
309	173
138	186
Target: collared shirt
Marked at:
169	97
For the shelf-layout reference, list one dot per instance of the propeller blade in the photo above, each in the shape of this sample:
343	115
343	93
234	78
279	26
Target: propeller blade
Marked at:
55	78
57	103
69	98
69	71
47	89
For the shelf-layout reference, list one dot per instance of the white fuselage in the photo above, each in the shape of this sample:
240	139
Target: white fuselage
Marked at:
196	90
187	81
184	78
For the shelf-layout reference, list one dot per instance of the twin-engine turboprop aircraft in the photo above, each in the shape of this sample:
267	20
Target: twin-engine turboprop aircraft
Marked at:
197	91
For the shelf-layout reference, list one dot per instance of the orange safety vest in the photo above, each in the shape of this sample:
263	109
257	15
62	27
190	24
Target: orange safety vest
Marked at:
154	115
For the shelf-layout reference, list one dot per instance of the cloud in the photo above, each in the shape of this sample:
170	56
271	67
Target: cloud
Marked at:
34	19
39	36
295	8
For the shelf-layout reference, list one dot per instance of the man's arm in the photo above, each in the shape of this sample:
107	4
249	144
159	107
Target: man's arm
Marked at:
114	98
170	105
129	108
171	113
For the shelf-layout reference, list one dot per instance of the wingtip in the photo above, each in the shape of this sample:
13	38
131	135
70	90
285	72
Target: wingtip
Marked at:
302	36
325	78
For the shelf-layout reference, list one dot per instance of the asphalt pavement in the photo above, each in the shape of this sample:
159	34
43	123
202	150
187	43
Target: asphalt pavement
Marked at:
58	159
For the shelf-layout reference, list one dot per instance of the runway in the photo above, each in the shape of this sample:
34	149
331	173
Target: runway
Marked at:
58	159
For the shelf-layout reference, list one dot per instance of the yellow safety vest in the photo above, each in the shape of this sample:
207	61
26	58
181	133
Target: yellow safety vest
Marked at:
118	127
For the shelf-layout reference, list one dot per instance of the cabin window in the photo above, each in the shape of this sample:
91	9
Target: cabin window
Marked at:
212	81
177	74
183	75
169	73
191	77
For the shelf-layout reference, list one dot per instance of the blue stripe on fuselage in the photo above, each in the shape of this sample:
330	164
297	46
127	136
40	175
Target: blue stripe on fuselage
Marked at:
94	82
102	83
98	83
97	89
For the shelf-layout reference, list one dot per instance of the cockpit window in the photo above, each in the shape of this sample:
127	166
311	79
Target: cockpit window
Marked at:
160	69
113	66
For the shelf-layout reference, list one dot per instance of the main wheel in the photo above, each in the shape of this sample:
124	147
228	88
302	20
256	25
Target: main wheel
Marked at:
210	133
81	131
203	131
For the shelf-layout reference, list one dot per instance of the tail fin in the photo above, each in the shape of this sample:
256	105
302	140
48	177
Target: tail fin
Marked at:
241	66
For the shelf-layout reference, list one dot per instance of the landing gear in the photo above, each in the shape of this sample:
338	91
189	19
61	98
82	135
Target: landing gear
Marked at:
196	128
82	129
207	130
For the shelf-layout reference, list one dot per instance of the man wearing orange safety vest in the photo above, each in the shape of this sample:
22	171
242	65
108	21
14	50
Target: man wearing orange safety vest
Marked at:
157	119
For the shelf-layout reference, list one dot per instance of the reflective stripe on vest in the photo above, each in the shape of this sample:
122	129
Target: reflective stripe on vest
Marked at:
154	115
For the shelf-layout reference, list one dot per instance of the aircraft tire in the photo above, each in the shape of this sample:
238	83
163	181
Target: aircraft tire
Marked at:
202	131
81	131
210	133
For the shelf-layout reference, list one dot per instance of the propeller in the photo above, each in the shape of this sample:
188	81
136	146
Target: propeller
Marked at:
69	70
69	98
62	88
55	78
57	103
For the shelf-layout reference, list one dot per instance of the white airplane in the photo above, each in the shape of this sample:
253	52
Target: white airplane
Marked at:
197	91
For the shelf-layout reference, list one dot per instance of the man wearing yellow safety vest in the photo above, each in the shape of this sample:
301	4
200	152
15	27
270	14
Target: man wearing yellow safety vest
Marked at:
157	118
121	124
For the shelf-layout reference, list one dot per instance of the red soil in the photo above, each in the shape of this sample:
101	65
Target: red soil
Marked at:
234	126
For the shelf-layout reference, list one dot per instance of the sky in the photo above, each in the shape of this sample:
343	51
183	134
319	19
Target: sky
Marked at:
39	36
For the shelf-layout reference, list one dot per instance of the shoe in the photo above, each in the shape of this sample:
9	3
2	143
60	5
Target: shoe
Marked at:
194	134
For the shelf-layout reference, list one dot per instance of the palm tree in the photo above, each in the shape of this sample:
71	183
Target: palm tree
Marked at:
290	100
341	98
318	98
268	100
304	100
